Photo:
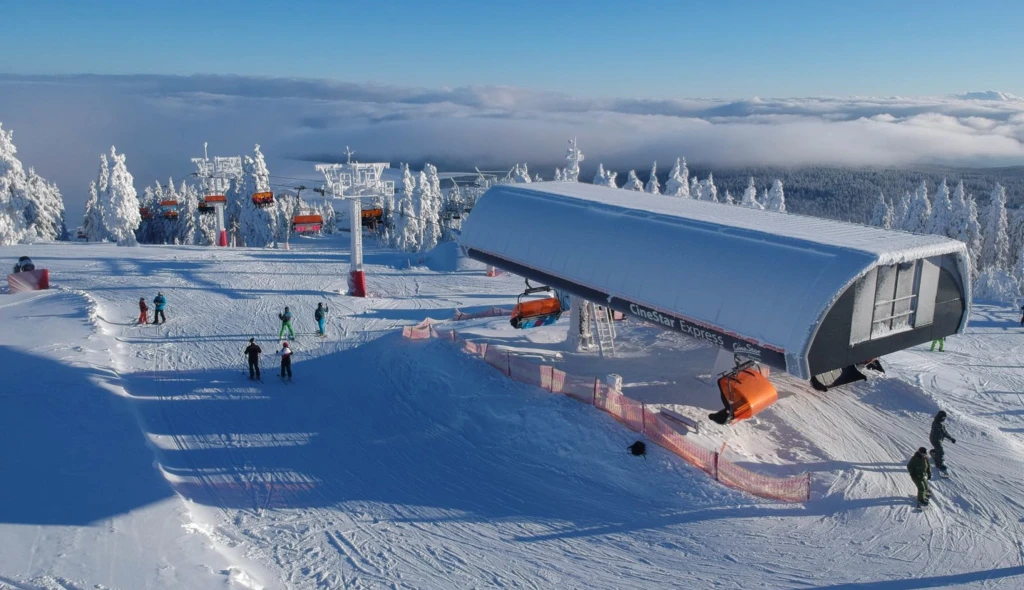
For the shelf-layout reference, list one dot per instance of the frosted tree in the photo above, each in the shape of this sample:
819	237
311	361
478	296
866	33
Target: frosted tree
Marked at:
900	208
92	224
605	177
559	177
942	212
120	202
776	198
257	222
653	187
537	178
1018	273
407	227
521	174
919	212
694	187
44	213
188	213
330	224
882	215
678	183
728	198
573	156
995	249
708	190
749	198
633	183
973	235
206	229
599	177
1015	223
13	196
430	213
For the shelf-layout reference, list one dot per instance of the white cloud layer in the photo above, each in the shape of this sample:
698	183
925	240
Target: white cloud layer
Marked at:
63	123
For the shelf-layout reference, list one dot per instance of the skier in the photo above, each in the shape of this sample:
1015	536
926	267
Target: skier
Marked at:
286	361
941	342
286	322
920	471
253	352
158	311
143	308
937	435
321	318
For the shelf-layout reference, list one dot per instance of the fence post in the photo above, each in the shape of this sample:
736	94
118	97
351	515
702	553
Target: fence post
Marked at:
643	418
714	463
551	379
508	363
593	401
808	486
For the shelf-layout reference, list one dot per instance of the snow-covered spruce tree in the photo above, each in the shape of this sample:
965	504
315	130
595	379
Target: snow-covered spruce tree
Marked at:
206	229
900	208
92	224
1018	273
881	216
749	198
573	156
728	198
559	177
695	187
599	177
1015	223
653	187
120	202
521	174
162	231
431	215
920	211
995	284
995	249
942	212
678	183
44	214
974	237
188	213
408	232
776	198
708	190
633	183
605	177
256	223
13	197
455	205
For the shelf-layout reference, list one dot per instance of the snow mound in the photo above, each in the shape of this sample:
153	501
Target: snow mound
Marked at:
449	257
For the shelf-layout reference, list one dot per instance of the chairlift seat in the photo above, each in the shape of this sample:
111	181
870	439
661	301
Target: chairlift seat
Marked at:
747	390
536	313
264	199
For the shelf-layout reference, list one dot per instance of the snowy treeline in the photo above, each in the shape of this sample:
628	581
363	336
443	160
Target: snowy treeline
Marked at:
994	237
31	209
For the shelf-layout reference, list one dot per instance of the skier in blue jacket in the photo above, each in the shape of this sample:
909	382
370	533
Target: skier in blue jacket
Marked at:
158	312
320	315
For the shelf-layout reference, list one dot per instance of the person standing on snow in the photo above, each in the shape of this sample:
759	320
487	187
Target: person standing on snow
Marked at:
253	352
286	322
158	312
286	361
936	436
941	342
143	308
920	471
321	318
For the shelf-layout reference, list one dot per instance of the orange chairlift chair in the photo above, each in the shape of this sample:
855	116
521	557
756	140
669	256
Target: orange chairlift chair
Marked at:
746	391
264	199
536	312
170	209
307	223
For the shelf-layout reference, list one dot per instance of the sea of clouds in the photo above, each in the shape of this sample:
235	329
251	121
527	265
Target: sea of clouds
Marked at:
63	123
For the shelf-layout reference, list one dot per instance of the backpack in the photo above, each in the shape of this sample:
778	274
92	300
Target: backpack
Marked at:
319	313
638	449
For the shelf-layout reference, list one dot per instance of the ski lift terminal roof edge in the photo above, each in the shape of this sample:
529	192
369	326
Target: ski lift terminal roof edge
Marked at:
802	294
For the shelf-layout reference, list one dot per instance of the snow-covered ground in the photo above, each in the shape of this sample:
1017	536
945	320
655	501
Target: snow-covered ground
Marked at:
142	457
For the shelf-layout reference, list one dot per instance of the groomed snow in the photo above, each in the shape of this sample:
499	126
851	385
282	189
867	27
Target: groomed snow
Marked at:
769	277
140	457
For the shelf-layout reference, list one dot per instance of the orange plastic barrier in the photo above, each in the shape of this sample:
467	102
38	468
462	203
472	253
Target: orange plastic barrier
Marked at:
631	413
28	280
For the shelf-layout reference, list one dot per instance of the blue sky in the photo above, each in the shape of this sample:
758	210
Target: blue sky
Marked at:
663	49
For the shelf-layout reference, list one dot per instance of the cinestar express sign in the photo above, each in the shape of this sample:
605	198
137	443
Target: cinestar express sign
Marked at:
713	337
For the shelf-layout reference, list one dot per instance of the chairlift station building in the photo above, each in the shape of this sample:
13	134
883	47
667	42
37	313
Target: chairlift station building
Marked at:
802	294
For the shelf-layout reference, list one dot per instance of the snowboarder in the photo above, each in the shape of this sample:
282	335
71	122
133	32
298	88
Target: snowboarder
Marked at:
286	322
158	310
941	342
253	352
937	435
143	308
321	318
920	471
286	361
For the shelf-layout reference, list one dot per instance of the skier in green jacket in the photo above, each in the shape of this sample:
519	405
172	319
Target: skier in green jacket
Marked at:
286	324
920	471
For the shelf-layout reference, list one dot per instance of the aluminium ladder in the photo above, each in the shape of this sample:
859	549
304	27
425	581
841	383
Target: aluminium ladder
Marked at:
605	329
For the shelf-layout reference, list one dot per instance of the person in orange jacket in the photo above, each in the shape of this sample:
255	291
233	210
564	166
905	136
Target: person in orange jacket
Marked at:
143	308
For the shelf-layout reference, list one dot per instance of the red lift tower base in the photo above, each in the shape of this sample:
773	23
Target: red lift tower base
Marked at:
357	284
223	239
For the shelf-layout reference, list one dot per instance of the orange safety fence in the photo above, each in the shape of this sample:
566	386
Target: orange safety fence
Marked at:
631	413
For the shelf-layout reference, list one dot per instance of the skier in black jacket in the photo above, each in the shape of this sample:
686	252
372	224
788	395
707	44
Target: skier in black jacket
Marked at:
253	351
936	436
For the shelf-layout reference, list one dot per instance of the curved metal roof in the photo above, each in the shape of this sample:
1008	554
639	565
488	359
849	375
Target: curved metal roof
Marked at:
747	276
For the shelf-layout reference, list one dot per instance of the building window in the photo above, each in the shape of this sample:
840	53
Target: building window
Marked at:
894	298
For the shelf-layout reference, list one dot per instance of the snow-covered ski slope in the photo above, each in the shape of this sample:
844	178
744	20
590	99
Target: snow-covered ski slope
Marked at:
143	457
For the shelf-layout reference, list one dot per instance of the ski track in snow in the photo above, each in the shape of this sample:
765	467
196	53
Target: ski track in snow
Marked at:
396	464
